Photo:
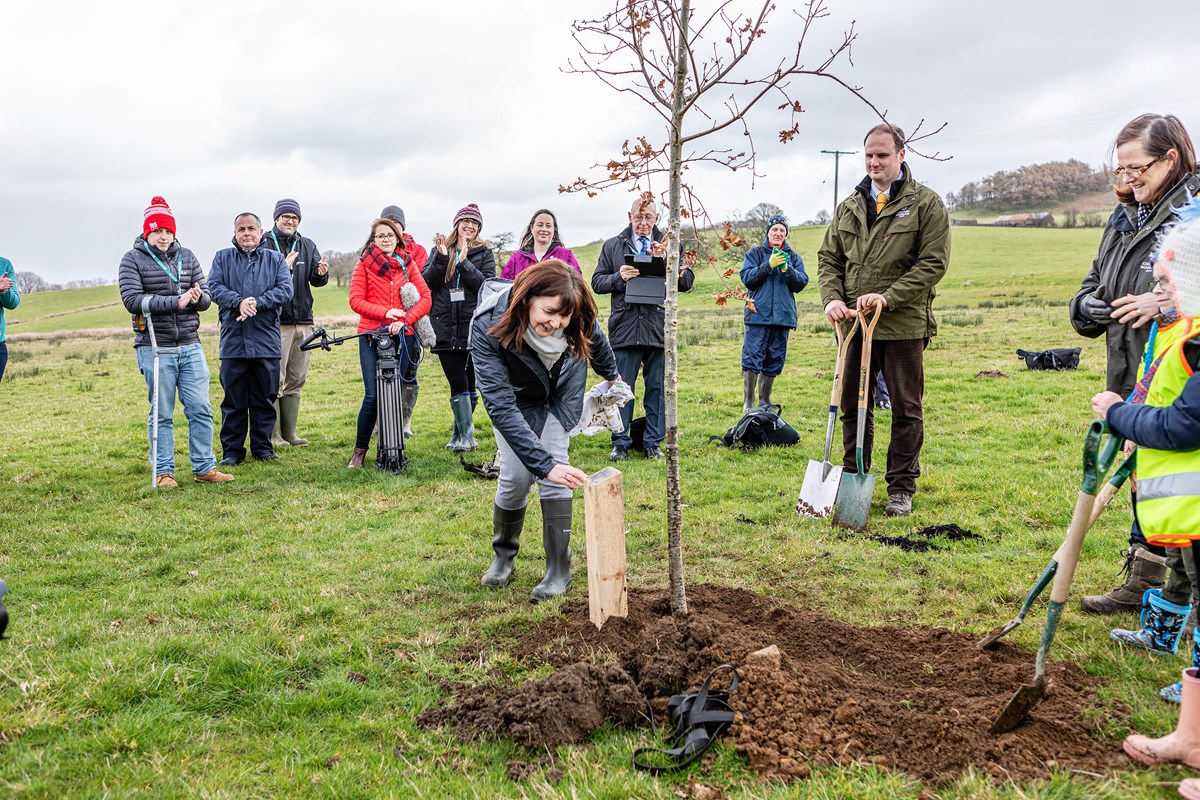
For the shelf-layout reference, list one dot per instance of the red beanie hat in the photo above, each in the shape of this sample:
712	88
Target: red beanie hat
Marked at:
158	215
469	211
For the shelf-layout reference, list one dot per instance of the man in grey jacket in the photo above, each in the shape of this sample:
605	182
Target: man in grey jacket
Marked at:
249	283
636	330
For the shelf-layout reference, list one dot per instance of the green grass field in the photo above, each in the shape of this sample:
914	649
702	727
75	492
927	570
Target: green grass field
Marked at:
198	642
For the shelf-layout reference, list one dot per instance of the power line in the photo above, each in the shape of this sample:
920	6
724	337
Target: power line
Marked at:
837	156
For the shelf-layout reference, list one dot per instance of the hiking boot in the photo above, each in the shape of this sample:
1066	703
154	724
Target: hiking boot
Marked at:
619	453
1161	625
214	475
166	481
654	451
357	458
229	461
1142	570
898	505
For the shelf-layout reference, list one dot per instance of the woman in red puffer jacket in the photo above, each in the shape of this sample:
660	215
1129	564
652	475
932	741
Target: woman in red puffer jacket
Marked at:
389	260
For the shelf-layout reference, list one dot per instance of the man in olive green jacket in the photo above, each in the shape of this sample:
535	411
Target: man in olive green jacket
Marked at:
888	243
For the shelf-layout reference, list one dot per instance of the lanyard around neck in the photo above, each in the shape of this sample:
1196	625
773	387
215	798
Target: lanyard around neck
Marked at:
178	264
295	242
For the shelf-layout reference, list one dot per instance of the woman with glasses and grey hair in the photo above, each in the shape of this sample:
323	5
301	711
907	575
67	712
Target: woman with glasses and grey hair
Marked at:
1155	173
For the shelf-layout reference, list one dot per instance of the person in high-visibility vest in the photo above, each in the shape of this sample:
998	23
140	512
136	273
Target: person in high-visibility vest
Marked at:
1166	429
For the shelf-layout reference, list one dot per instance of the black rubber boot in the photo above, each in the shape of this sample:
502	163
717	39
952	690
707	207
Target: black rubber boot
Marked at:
556	537
464	425
749	380
765	382
506	537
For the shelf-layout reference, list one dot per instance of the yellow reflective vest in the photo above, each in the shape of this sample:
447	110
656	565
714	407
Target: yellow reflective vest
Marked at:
1168	483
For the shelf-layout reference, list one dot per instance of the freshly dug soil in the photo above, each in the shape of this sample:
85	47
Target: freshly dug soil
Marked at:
918	700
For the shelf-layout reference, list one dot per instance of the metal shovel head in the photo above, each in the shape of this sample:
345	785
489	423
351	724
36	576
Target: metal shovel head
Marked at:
998	633
1026	697
817	494
854	500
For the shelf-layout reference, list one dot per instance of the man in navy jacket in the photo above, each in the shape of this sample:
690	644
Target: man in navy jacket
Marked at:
249	282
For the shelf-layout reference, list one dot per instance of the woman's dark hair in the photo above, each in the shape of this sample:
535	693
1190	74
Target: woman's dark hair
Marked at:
401	245
1159	134
527	236
550	278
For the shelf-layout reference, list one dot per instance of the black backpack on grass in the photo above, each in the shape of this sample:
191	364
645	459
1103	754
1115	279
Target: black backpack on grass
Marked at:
762	427
1056	358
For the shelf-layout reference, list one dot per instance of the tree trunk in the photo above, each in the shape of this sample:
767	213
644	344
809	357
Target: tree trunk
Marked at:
671	326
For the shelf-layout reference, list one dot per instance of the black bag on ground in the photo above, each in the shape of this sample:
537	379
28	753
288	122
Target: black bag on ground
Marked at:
762	427
1056	358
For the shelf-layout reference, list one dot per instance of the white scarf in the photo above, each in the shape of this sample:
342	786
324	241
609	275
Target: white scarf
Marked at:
548	348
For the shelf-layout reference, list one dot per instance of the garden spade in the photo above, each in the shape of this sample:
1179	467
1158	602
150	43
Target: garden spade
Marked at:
821	479
1030	694
1114	483
855	489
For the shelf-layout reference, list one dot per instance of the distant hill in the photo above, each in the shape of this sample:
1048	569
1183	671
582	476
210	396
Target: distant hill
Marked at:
1053	186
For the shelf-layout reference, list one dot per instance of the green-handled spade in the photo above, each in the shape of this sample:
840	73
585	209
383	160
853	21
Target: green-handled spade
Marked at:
1120	475
1095	465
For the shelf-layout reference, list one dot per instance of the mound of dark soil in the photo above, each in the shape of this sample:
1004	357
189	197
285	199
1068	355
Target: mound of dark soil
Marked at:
919	700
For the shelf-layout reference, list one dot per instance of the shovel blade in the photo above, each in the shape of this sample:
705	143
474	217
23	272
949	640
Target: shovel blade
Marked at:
818	492
1018	708
999	633
853	501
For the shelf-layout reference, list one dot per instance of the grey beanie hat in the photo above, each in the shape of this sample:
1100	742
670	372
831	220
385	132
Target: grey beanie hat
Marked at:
395	214
286	206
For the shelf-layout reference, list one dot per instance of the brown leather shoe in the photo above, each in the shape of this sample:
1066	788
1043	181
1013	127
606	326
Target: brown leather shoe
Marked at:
356	460
214	475
166	481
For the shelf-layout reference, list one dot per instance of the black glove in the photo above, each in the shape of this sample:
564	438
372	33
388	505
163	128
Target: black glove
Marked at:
1095	308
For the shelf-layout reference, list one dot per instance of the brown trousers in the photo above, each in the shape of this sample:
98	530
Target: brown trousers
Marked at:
903	366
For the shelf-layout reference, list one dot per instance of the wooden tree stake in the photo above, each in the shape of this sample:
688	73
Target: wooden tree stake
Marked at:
604	524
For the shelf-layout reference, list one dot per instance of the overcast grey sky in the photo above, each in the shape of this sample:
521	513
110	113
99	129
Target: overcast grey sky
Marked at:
228	106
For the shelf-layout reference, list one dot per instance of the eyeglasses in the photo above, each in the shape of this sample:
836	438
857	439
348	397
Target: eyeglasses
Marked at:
384	237
1160	284
645	217
289	218
1135	172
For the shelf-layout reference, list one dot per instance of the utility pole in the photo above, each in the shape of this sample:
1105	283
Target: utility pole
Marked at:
837	155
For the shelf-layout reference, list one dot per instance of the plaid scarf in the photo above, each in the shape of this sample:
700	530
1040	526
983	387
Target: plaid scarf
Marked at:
376	259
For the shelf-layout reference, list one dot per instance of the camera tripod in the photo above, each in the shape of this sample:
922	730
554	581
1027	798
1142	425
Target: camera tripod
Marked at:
389	409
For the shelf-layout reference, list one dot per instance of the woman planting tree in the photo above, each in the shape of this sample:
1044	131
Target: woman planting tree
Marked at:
532	345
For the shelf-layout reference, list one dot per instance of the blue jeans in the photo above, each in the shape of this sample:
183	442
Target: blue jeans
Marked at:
182	371
3	358
368	413
650	361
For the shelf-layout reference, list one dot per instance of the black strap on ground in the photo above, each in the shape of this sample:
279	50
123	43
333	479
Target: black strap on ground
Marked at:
697	719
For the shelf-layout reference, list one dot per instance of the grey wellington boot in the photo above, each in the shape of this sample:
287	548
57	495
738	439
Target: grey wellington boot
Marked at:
289	411
408	399
765	382
464	425
277	441
506	536
749	379
556	537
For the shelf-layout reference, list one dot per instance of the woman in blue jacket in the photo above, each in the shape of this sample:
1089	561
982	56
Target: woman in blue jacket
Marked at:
772	273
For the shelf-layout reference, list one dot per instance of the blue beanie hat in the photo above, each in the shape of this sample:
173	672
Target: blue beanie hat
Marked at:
777	219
